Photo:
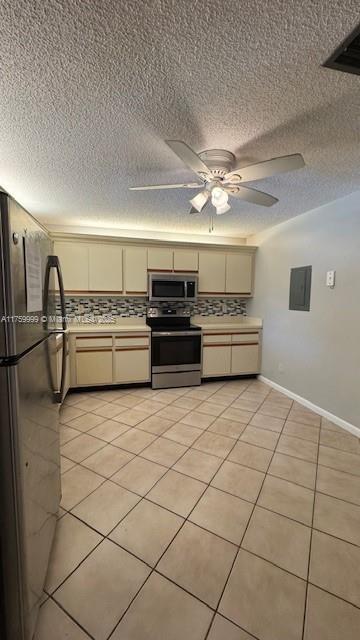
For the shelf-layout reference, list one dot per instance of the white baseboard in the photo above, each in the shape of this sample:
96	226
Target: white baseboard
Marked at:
310	405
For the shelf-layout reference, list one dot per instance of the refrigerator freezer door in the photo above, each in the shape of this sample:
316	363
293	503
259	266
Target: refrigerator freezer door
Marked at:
18	230
30	438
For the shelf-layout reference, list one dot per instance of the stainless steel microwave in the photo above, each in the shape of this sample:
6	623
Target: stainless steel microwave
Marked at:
171	287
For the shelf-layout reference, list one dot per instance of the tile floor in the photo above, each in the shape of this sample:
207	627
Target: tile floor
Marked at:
225	512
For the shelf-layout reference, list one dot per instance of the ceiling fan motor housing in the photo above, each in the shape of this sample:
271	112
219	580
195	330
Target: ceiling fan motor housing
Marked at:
219	161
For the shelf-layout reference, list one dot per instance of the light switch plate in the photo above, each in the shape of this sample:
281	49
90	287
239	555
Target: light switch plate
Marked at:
330	279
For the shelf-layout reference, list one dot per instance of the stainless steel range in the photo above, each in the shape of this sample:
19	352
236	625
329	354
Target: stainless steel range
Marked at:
175	348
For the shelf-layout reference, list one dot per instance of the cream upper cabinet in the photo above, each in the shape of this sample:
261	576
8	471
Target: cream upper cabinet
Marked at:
105	268
186	260
74	263
239	273
211	272
160	259
135	267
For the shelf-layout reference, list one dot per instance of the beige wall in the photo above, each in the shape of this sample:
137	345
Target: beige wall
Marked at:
314	354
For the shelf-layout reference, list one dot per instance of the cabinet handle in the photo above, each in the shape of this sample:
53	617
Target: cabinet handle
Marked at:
244	344
134	335
218	344
97	337
93	350
132	349
218	334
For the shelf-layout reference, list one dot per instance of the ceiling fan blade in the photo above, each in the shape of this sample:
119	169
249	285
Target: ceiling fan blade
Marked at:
189	157
252	195
185	185
268	168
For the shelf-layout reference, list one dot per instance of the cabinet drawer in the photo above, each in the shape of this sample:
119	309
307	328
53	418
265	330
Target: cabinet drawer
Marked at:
216	360
94	367
246	337
245	358
216	338
89	342
131	341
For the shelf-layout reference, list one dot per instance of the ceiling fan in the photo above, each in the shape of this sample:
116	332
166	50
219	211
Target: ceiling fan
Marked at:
219	178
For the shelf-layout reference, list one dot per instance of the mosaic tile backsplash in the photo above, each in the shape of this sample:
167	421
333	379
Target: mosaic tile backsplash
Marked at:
136	307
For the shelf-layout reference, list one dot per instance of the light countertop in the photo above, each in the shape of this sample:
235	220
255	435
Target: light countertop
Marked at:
218	323
215	323
120	325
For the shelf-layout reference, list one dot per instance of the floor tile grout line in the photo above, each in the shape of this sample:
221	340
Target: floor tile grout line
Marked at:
208	484
58	604
154	569
310	545
335	595
145	497
239	547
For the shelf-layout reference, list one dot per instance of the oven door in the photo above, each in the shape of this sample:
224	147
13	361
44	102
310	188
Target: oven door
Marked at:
175	351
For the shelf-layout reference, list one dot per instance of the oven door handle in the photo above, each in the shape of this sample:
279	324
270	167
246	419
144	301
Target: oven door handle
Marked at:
158	334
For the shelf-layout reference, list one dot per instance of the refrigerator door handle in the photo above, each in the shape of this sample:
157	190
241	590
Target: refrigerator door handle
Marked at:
53	262
59	395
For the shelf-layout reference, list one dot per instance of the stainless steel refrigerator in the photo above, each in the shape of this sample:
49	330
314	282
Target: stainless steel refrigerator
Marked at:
30	280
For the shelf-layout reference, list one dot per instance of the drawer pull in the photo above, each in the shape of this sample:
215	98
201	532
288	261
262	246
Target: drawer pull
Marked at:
132	349
94	350
244	344
217	344
132	335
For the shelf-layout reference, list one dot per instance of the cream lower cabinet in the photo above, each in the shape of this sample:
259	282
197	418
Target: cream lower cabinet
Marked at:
93	360
216	354
227	354
132	358
110	359
245	358
216	360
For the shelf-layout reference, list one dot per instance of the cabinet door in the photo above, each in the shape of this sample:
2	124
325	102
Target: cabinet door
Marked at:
239	273
135	270
94	367
105	268
186	260
160	259
211	272
216	360
132	364
74	262
245	358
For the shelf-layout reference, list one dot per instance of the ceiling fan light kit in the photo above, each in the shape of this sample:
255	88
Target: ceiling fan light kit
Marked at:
200	200
215	170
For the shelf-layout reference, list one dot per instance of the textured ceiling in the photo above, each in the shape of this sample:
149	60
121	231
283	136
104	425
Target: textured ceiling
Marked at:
89	90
